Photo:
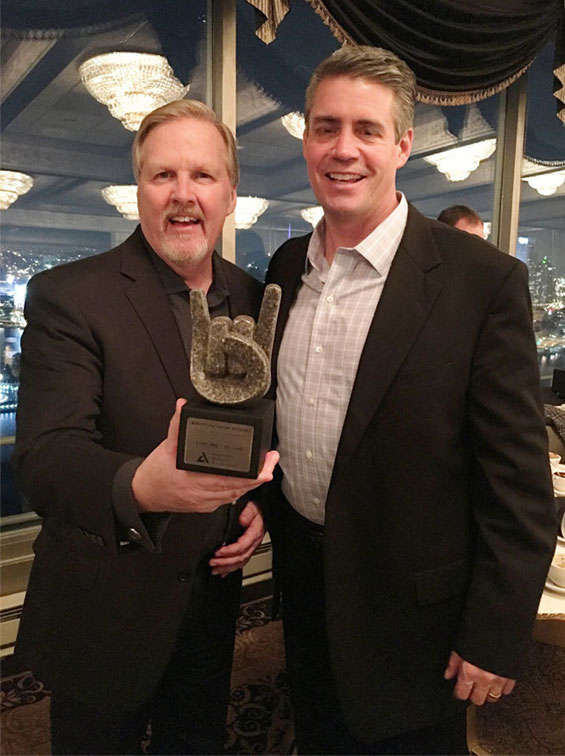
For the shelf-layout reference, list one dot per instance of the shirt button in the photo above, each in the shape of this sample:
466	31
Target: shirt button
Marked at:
318	349
330	298
311	402
308	454
316	500
183	576
134	535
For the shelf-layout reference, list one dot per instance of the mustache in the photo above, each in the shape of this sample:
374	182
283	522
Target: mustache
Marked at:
188	211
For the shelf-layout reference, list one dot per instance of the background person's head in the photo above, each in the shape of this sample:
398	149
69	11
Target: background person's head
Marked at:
375	65
464	218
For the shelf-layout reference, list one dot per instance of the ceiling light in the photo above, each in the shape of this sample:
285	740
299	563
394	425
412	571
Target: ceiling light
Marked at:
459	162
131	84
124	199
294	124
312	215
12	185
546	183
248	210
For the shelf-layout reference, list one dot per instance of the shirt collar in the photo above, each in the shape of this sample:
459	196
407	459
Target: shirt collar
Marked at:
378	248
173	283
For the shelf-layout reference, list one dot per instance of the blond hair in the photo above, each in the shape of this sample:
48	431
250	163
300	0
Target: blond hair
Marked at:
376	65
185	109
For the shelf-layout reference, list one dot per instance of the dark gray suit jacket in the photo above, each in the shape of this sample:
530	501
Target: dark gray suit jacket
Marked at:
440	519
102	366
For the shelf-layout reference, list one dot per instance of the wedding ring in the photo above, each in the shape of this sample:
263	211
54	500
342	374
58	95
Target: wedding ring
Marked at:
493	695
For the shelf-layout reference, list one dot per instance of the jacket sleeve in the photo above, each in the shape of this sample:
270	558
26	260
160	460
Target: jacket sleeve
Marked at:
512	497
60	461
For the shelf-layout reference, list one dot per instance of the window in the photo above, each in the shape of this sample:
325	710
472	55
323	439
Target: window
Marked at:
541	232
453	158
271	80
56	132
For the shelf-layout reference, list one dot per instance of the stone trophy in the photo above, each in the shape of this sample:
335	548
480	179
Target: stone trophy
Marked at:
229	431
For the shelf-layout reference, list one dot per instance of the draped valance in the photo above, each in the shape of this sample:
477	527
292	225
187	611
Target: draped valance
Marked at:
462	51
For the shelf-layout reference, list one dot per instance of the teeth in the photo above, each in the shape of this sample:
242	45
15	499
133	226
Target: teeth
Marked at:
183	219
345	176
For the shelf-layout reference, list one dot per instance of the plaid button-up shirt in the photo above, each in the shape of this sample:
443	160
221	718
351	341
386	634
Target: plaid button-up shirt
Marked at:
320	351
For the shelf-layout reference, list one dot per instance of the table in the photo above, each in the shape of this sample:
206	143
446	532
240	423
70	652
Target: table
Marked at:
550	620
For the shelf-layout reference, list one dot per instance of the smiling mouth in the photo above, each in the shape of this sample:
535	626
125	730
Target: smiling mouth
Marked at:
344	178
184	221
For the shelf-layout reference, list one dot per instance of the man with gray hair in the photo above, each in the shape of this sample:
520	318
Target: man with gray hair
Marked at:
413	519
130	612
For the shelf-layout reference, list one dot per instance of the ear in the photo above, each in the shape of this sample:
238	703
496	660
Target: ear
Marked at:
404	148
304	140
232	200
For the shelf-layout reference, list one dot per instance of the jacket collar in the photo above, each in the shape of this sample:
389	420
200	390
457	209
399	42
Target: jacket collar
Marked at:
149	299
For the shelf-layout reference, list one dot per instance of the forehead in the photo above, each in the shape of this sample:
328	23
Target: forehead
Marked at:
184	137
338	96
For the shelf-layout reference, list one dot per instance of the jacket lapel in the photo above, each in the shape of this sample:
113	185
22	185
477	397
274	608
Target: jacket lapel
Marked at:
149	300
294	262
406	300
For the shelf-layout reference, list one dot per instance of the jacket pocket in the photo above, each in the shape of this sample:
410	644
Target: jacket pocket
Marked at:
442	583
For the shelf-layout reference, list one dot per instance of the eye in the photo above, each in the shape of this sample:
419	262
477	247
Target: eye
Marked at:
327	128
164	175
369	131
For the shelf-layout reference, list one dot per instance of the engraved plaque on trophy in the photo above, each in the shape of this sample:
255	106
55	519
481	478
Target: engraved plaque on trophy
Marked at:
229	431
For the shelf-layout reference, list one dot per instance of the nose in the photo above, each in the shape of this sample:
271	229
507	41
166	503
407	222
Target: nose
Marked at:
183	190
345	145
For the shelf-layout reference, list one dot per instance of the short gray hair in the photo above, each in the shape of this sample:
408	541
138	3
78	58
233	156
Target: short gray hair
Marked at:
185	109
374	64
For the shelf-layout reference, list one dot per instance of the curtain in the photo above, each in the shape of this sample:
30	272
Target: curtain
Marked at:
461	51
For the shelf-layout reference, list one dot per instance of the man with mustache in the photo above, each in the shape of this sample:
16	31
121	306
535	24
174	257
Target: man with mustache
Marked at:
131	607
413	521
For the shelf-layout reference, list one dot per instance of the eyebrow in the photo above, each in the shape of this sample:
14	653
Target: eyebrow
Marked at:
318	120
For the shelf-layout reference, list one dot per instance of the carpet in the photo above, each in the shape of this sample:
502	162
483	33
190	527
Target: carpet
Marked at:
259	718
531	720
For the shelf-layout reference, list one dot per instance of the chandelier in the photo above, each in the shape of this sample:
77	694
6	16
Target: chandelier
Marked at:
124	199
540	176
294	124
459	162
248	210
312	215
131	84
12	185
546	183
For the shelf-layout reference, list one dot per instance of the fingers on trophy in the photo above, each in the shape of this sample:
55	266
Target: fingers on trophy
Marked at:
230	368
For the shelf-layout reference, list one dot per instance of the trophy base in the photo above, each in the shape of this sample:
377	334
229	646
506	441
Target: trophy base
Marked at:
225	440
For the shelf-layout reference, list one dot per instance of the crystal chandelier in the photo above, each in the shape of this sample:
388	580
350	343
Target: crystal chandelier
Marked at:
124	199
312	215
12	185
294	124
457	163
248	209
546	183
131	84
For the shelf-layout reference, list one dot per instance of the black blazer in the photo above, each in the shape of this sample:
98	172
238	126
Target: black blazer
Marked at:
440	520
102	366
